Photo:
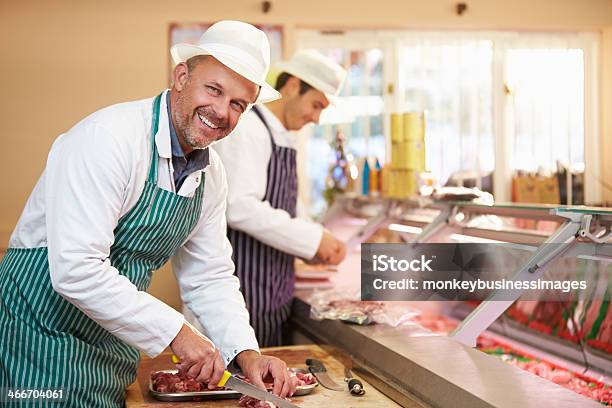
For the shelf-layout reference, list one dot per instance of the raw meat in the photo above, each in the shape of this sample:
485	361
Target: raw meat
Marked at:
339	304
592	324
353	311
548	318
179	382
305	379
576	382
560	377
168	382
437	324
250	402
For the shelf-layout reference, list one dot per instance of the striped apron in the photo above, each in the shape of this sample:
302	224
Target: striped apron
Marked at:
267	275
46	342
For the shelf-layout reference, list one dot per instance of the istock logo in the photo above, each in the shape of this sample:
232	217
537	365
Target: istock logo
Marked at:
383	263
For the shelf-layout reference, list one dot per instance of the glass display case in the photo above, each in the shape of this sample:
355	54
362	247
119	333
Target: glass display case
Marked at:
568	343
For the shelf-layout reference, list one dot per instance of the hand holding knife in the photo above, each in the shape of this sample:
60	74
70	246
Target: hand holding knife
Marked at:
230	381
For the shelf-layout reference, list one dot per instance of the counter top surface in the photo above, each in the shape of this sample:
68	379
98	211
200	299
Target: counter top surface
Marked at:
139	397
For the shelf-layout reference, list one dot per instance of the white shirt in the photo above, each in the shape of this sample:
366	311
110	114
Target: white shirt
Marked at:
246	155
95	174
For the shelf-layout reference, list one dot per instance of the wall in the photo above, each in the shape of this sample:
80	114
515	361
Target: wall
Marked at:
606	113
64	59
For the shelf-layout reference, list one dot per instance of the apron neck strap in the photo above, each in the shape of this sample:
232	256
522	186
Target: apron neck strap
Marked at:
263	120
154	126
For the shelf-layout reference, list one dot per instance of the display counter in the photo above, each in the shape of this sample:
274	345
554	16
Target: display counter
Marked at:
446	371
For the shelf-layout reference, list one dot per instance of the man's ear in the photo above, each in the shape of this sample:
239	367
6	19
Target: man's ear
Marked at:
292	87
181	76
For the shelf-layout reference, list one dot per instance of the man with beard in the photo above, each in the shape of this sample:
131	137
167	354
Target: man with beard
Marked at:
124	190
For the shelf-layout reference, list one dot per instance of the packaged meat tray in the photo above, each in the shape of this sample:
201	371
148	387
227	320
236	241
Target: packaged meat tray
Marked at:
344	304
170	386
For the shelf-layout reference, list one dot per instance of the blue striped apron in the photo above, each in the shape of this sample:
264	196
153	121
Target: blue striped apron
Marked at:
46	342
267	275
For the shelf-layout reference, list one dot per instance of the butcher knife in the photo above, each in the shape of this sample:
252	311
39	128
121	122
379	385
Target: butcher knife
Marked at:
243	387
354	385
320	372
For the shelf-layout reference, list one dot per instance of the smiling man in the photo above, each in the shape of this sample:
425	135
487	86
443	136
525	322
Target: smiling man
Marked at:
123	191
260	159
197	116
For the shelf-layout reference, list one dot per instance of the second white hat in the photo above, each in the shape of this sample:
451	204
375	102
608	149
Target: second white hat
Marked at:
317	70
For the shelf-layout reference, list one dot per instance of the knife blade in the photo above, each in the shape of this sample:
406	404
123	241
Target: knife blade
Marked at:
320	372
243	387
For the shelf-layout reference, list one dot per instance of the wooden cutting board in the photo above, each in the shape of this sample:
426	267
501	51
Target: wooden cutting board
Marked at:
139	397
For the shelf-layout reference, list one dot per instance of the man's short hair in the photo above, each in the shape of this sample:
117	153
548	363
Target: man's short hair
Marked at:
282	79
194	61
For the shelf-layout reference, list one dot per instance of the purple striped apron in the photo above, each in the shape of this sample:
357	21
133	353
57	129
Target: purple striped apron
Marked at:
267	275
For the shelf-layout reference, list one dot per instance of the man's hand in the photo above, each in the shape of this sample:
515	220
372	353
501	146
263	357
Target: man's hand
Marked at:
260	369
200	359
331	250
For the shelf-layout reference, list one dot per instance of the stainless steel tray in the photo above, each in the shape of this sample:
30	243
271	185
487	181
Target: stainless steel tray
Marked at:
190	396
215	394
304	389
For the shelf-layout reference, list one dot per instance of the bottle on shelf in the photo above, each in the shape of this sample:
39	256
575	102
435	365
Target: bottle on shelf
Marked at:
375	179
342	171
365	180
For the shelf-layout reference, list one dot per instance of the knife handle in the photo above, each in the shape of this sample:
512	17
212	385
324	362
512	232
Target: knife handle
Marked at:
226	376
355	387
315	366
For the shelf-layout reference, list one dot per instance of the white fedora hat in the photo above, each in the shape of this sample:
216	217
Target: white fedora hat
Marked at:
317	70
239	46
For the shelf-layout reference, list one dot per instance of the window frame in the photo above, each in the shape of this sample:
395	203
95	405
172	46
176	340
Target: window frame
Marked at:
390	42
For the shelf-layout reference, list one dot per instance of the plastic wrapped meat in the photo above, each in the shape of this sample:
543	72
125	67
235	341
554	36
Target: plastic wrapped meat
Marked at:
337	305
354	311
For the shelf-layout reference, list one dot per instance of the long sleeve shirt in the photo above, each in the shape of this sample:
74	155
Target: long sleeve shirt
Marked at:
94	175
246	154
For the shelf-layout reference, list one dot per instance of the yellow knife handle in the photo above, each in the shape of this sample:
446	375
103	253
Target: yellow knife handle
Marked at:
221	384
226	376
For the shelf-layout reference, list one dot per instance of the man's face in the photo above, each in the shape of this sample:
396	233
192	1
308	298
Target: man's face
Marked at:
302	109
208	102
